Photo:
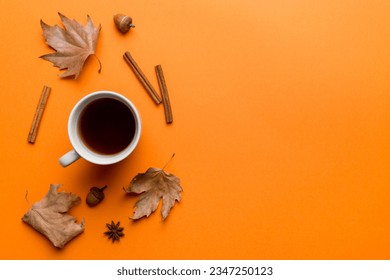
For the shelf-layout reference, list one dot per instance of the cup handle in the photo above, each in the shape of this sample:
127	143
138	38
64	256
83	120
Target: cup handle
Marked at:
69	158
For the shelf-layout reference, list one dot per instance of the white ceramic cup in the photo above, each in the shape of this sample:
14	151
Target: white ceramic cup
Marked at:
80	149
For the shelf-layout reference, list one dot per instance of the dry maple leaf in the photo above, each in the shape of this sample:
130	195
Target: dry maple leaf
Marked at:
153	185
48	216
74	44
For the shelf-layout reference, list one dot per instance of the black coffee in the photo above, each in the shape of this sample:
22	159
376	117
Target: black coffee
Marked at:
106	126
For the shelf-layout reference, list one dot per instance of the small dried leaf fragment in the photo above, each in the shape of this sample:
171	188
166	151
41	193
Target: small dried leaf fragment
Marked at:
48	216
153	185
73	44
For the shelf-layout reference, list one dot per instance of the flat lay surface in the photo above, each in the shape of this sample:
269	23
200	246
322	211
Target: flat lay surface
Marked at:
281	128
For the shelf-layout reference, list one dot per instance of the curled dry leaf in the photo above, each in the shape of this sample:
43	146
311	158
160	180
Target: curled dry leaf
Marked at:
74	44
153	185
49	217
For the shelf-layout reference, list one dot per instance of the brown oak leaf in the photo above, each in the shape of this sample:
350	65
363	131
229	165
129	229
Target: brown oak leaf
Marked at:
48	216
74	44
153	185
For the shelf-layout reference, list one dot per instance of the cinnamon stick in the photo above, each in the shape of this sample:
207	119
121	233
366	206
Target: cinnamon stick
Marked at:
142	78
164	94
38	114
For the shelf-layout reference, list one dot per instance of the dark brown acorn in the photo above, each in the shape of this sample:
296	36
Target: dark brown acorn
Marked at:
123	23
95	196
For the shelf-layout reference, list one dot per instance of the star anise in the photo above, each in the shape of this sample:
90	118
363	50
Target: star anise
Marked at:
115	232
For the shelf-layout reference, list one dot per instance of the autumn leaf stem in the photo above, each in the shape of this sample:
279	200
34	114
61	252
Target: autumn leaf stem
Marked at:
166	164
26	197
100	64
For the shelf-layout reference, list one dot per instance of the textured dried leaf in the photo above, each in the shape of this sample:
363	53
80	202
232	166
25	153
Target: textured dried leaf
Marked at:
74	44
48	216
153	185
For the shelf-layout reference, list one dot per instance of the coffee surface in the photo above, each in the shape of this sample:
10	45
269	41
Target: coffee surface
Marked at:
106	126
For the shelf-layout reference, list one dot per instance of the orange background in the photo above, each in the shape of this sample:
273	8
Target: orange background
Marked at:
281	128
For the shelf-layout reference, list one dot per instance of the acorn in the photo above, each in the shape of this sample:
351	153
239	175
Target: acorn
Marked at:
95	196
123	23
